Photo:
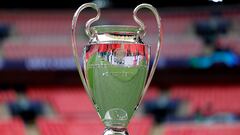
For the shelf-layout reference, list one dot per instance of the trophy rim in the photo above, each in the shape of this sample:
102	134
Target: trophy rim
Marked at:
117	29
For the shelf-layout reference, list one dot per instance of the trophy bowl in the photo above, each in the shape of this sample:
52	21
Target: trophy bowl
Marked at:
115	68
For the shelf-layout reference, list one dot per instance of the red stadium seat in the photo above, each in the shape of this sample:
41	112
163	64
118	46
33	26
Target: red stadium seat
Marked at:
201	129
152	93
7	96
36	50
141	126
42	26
41	94
138	126
12	127
209	98
73	103
68	102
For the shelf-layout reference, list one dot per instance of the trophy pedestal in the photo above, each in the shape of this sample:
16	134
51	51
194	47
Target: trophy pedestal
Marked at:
109	131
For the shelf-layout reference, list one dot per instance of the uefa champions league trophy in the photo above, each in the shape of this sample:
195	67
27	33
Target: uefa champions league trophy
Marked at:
115	67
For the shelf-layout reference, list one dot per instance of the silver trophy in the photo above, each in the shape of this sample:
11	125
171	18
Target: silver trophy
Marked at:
115	71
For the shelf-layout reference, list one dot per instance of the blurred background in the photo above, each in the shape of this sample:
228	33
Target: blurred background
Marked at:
195	89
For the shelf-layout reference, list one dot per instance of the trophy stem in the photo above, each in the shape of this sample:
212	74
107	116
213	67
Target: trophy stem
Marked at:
114	131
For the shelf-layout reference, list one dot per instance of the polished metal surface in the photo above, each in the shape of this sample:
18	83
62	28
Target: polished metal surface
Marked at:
114	56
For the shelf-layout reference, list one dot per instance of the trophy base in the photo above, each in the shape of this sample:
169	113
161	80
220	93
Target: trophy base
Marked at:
112	131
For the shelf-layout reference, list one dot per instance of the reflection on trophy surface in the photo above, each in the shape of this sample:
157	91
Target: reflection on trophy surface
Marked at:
116	75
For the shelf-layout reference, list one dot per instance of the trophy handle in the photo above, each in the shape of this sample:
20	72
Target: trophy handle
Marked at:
159	45
88	32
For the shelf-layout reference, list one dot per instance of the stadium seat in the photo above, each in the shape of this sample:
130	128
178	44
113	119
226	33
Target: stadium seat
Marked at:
201	129
68	102
138	126
12	127
152	93
73	102
213	99
7	96
41	26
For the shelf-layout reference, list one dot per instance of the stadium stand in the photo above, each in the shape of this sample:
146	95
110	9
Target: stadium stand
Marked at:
30	38
74	127
201	129
209	99
12	127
